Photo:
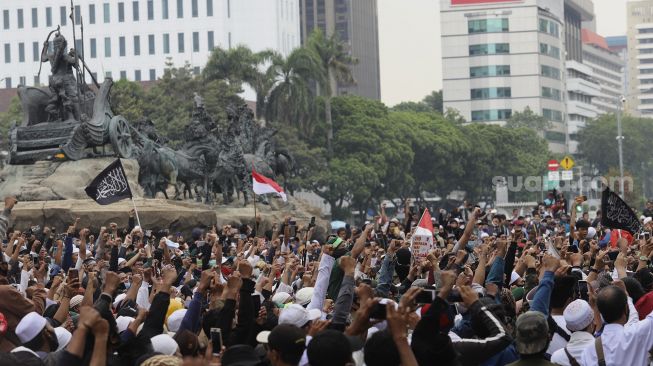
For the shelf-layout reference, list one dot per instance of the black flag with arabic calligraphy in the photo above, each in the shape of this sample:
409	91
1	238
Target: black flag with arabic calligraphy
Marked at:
616	214
110	185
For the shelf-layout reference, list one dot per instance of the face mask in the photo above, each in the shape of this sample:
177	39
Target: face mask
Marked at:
127	285
212	263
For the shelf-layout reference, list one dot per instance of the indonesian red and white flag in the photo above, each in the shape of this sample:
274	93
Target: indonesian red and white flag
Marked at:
263	185
422	239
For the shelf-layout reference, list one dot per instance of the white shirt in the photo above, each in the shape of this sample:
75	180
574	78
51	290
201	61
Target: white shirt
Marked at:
557	342
624	345
578	342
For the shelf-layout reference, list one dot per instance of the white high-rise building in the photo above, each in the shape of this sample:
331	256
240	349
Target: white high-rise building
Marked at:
501	56
639	97
607	67
132	39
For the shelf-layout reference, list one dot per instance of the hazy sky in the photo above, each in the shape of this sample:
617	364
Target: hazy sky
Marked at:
409	44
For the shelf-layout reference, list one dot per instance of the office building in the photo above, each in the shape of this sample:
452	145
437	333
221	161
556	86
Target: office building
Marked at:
619	45
355	22
607	67
639	96
581	85
503	56
132	39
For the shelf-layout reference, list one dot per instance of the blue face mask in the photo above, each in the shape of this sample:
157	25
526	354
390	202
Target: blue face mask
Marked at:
127	285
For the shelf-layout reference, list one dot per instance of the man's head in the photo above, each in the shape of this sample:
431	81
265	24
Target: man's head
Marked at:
342	233
36	334
380	350
532	334
329	348
579	316
286	344
612	302
564	291
582	226
298	316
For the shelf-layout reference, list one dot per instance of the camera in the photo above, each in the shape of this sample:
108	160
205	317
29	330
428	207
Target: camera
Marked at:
623	99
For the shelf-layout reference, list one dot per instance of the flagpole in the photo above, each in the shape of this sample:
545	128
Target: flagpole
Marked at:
138	220
255	222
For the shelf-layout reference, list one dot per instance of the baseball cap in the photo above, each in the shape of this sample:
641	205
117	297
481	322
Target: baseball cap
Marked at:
240	355
285	338
532	333
30	326
303	296
578	315
297	315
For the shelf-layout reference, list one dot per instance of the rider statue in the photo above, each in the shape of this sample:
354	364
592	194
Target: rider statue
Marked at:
62	82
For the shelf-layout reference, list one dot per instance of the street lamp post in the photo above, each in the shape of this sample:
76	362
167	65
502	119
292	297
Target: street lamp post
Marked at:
620	139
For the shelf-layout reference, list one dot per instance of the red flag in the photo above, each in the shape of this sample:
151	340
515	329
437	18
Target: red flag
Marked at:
262	185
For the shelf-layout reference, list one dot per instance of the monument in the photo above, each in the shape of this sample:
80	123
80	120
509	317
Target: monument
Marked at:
69	133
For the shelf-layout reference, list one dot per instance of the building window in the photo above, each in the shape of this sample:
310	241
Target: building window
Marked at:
137	45
228	8
63	18
21	52
164	9
107	47
137	75
78	14
490	93
150	43
549	50
150	9
488	25
551	93
489	49
550	72
549	27
48	17
121	46
552	115
491	115
193	8
152	74
107	74
555	136
209	8
36	51
211	40
19	15
5	19
123	75
180	42
22	80
107	12
8	83
492	70
135	11
35	18
196	42
180	8
196	70
121	12
229	40
37	80
91	13
7	53
79	47
166	43
93	48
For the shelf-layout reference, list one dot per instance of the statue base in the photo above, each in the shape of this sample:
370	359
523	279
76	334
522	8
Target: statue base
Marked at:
52	181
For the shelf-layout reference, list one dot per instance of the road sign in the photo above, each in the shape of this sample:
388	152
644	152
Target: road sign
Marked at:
554	176
567	163
553	165
567	175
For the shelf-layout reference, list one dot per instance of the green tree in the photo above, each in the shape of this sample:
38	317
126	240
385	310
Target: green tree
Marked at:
127	99
13	115
418	107
528	119
336	64
434	101
235	65
290	100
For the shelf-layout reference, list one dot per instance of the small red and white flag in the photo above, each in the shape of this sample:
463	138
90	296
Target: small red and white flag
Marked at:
263	185
422	239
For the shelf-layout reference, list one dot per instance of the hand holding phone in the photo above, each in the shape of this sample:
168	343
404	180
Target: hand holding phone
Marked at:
216	340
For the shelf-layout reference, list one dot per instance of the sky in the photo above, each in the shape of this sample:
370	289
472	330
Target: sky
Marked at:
409	44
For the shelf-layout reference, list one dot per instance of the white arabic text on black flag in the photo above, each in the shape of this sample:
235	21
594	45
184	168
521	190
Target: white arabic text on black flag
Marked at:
617	214
110	185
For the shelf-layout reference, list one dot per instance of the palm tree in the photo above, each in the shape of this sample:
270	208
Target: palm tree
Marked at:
234	65
290	99
335	63
261	78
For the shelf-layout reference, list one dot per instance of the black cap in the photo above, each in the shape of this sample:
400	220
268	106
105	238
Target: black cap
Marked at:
289	340
240	355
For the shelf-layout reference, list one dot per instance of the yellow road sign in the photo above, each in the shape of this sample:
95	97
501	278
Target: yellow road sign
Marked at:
567	163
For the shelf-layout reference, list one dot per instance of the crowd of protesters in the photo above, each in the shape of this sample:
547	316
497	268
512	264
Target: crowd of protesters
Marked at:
541	287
